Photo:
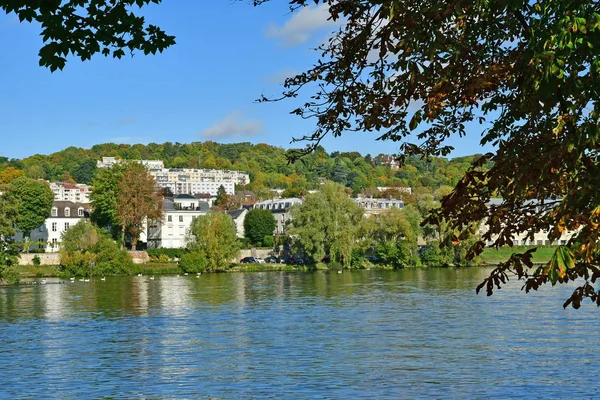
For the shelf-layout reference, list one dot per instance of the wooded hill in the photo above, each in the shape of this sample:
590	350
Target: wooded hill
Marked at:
268	165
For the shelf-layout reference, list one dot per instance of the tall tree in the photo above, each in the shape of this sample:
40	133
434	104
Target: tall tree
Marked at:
139	200
105	196
220	195
529	70
391	236
34	199
326	223
8	216
258	224
212	238
84	28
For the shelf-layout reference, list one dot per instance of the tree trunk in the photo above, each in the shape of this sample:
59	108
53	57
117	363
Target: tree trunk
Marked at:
122	237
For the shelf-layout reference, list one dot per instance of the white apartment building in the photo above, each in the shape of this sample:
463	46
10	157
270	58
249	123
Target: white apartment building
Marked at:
281	211
187	180
77	193
64	214
194	187
179	213
108	162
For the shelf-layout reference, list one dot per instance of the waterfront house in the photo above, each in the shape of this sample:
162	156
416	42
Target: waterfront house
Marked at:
63	215
179	212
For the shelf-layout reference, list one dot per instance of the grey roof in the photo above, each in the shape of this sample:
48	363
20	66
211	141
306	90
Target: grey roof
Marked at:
73	207
235	214
184	197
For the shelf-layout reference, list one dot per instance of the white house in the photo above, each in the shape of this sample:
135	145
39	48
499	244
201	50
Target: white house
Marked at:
179	212
64	214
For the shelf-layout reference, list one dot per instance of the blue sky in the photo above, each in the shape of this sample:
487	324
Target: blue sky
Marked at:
228	53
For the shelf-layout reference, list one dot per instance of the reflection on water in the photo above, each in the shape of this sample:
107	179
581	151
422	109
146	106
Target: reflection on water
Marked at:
363	334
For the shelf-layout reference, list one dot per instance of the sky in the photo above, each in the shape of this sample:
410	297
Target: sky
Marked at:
228	54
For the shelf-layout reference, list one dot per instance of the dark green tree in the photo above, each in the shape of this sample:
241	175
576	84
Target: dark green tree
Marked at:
220	195
84	172
34	201
258	224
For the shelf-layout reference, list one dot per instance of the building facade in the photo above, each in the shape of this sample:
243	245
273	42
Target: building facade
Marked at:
76	193
375	206
238	217
64	214
179	212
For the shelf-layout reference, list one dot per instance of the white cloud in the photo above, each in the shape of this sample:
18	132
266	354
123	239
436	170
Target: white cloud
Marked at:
233	126
303	23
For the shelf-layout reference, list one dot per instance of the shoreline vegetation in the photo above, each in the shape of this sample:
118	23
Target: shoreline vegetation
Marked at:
489	257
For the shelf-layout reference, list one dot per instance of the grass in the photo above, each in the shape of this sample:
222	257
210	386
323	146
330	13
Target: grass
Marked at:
36	271
495	256
269	267
161	268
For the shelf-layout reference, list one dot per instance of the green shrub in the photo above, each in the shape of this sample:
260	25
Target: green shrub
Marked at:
193	262
163	258
170	253
268	241
36	261
11	277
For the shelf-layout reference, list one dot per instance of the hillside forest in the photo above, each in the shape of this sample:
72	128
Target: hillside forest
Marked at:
267	165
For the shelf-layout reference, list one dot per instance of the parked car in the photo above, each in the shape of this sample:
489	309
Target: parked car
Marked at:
295	260
248	260
272	260
260	260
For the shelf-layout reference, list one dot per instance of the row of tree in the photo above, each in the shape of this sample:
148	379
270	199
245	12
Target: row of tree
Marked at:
330	226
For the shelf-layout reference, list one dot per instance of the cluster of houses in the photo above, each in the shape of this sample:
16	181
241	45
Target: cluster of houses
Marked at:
194	192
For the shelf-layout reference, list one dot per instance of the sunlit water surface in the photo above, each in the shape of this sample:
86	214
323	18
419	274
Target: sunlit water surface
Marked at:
364	334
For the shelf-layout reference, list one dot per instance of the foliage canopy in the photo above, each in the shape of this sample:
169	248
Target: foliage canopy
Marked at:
527	71
258	224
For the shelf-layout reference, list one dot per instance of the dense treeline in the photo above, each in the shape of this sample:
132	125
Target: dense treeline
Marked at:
267	165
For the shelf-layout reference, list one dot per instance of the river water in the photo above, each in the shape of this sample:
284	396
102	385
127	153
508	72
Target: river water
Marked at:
418	333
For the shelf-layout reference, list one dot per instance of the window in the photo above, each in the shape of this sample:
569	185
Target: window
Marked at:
66	226
170	218
54	212
563	242
54	226
181	218
80	212
67	212
54	240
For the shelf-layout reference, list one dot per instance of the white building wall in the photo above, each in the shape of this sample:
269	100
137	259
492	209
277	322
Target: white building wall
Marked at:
175	227
50	232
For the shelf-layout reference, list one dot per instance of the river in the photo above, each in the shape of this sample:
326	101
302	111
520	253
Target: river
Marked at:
415	333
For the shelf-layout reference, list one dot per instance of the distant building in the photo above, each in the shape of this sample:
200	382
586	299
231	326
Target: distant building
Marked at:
238	218
187	180
77	193
109	162
281	211
401	189
179	212
392	161
63	215
539	238
376	206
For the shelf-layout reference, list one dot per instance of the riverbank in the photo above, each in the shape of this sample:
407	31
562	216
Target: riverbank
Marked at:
489	257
